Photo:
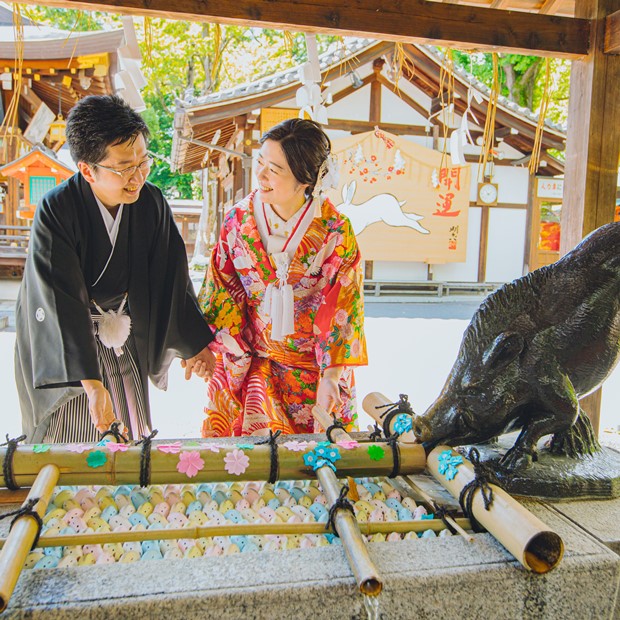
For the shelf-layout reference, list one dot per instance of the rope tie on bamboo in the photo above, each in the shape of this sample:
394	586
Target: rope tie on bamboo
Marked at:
145	458
442	513
342	503
272	440
7	465
27	509
336	423
392	410
376	433
392	441
114	430
484	476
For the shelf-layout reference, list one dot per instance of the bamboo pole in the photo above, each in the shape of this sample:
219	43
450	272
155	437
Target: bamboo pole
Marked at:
241	529
345	523
124	467
22	535
373	404
535	545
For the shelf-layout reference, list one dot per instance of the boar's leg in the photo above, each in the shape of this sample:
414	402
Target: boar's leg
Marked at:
554	410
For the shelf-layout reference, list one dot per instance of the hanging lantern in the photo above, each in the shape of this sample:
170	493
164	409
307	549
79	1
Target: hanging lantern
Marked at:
58	130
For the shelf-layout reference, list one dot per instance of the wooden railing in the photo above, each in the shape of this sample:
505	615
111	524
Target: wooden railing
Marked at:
14	243
378	288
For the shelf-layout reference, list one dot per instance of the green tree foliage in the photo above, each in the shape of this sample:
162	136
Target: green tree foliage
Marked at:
183	60
523	79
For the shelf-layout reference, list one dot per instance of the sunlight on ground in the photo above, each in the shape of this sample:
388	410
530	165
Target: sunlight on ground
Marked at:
411	356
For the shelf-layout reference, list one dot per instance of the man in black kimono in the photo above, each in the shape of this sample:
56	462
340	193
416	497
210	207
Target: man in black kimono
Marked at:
103	243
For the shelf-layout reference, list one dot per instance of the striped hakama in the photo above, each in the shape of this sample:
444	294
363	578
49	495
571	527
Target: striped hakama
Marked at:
121	376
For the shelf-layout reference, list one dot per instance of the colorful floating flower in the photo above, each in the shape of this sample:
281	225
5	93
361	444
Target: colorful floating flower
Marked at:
41	447
403	423
448	464
298	446
211	447
117	447
190	463
98	458
245	446
325	454
79	447
348	445
236	462
170	448
376	453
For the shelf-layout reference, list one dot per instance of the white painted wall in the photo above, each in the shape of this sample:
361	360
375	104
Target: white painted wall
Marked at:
506	245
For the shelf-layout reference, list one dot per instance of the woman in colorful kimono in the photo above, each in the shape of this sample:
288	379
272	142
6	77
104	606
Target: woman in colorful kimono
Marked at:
284	296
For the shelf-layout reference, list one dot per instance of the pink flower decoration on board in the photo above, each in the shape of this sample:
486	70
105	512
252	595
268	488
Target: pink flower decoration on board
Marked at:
298	446
190	463
170	448
116	447
79	447
211	447
348	445
236	462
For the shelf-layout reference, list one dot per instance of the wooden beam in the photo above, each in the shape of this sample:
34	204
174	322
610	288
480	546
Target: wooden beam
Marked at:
363	126
549	7
612	33
419	21
592	146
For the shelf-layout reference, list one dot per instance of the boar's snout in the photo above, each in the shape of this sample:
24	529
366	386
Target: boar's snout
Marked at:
421	429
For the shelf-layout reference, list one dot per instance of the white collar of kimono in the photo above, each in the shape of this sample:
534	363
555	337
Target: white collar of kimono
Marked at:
112	225
278	303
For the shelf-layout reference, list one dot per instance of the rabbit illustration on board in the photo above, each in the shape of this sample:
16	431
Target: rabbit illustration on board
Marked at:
380	208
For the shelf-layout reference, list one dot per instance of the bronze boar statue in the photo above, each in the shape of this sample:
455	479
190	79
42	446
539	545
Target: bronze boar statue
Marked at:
532	349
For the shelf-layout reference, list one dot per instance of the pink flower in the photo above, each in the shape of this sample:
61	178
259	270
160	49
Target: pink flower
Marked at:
347	331
116	447
329	270
298	446
79	447
190	463
342	317
303	416
211	447
345	281
355	348
348	445
170	448
236	462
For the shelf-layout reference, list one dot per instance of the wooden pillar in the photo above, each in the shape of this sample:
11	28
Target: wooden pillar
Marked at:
374	115
592	145
484	242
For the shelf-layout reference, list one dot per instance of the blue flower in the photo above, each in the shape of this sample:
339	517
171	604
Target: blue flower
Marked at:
245	446
448	464
325	454
403	423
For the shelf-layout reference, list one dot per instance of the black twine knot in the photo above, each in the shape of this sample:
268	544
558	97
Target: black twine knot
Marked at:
27	509
375	434
484	476
342	503
145	458
114	430
441	512
392	441
272	440
392	410
336	423
7	465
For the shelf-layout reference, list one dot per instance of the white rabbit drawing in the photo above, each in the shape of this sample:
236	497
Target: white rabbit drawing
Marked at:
379	208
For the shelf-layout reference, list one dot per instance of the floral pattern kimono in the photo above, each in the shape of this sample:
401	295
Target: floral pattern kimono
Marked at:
261	382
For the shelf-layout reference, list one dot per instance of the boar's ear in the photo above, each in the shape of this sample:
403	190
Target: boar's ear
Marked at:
504	349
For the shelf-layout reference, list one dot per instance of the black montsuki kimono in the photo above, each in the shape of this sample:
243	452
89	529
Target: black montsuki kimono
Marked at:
55	347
